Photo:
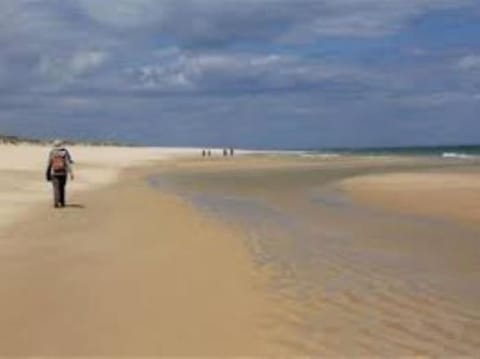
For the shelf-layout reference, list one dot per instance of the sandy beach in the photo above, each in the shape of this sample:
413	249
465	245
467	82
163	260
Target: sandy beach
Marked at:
162	253
124	269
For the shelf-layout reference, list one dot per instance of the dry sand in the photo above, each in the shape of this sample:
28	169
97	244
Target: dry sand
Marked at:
451	196
22	172
125	270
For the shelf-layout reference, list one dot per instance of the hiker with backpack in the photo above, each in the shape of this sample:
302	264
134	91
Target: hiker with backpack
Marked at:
58	169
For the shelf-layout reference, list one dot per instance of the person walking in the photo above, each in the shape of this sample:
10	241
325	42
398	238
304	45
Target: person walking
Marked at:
60	166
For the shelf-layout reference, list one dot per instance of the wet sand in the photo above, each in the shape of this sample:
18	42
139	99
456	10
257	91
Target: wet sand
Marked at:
360	279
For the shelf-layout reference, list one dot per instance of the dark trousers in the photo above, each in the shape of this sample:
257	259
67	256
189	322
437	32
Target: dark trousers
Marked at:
59	182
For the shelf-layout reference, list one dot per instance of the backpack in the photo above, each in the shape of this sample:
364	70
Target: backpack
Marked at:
59	162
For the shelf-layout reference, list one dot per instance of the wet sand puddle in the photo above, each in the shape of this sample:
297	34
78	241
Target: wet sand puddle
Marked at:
357	281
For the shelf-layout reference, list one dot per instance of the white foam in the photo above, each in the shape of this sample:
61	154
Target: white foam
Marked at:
457	155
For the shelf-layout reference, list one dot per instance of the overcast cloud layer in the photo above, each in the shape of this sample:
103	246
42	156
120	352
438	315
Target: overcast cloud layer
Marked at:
256	73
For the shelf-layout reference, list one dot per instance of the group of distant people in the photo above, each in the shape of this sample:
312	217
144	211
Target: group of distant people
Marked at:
226	152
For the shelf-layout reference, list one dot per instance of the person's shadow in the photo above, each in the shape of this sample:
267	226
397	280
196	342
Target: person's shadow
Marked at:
75	206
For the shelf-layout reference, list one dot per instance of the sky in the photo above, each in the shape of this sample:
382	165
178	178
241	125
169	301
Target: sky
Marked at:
243	73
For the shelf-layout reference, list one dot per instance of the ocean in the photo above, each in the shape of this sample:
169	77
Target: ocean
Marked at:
460	151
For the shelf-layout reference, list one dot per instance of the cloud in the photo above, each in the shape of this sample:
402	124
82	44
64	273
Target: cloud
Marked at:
435	99
209	22
62	70
86	61
125	13
469	63
240	72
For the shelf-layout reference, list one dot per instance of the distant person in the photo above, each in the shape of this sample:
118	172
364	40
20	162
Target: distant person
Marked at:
232	151
209	153
204	153
58	169
225	152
